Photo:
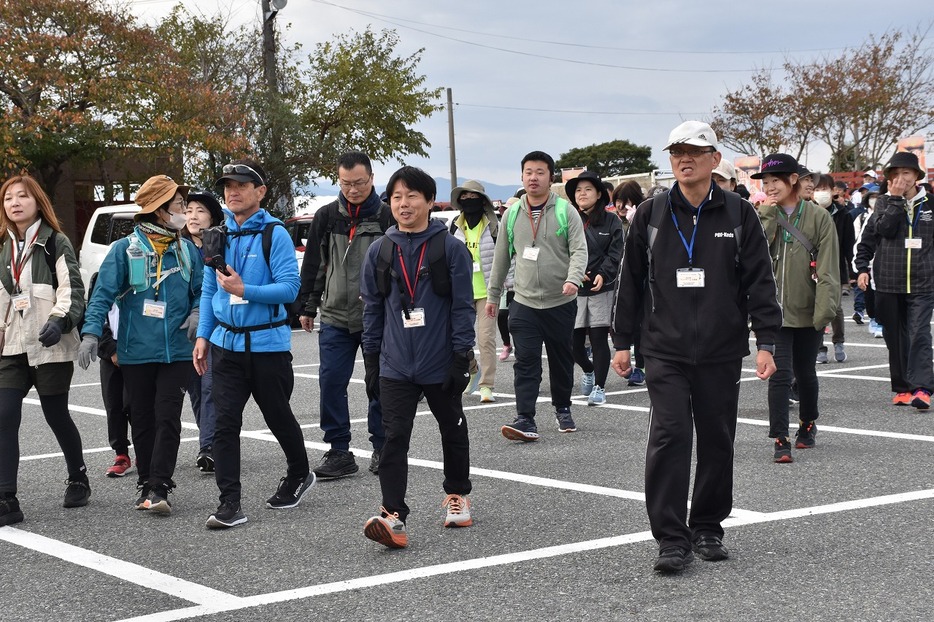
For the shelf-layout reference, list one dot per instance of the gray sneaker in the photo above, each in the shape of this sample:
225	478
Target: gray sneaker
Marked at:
822	356
839	354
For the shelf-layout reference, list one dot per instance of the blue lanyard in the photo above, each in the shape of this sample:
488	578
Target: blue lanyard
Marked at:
688	247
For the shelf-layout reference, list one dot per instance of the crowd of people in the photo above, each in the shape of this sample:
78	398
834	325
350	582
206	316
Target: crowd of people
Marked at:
196	299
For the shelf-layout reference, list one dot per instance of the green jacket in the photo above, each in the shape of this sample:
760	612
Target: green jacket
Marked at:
804	302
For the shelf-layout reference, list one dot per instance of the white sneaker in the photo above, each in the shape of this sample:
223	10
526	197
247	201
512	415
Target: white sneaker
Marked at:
458	511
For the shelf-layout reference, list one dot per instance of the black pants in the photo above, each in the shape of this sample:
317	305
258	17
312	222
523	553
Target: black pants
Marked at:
906	328
400	401
600	348
795	359
157	392
270	380
502	318
117	406
530	329
685	398
55	409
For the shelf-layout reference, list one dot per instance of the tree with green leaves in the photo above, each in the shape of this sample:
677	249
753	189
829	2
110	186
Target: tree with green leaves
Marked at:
609	159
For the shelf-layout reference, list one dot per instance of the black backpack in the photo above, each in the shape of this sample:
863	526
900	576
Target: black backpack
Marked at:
437	266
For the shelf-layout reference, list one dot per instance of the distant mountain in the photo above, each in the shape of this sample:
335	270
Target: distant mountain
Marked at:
494	191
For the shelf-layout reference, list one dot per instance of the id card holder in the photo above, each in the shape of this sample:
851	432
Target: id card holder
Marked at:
690	277
416	319
913	243
154	308
21	302
237	300
476	266
530	253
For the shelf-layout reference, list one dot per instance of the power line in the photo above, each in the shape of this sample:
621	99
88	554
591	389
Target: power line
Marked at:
600	112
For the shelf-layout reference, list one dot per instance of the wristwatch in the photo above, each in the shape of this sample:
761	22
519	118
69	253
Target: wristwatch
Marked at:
770	348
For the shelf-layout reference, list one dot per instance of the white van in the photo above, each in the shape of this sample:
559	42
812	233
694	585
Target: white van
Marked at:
107	225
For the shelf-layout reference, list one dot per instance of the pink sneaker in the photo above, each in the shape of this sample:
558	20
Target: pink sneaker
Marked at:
507	350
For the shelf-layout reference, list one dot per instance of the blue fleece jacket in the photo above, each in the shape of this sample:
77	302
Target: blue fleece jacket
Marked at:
421	355
267	289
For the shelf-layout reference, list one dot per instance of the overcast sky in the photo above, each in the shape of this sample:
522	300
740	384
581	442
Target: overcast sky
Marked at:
638	70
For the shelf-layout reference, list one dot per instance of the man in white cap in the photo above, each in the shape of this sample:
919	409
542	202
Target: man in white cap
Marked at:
692	254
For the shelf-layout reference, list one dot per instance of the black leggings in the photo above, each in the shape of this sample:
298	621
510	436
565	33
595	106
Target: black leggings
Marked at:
55	409
502	319
599	347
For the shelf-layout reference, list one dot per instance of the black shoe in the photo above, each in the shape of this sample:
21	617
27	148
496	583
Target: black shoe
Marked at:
710	548
158	499
783	450
806	436
522	429
374	461
565	422
673	559
10	512
290	492
143	489
77	492
205	460
336	463
228	515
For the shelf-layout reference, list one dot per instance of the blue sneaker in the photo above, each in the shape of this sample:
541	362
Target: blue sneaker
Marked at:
637	377
474	383
875	328
597	397
587	382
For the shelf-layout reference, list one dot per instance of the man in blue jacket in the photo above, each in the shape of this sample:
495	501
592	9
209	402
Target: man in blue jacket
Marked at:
244	297
418	337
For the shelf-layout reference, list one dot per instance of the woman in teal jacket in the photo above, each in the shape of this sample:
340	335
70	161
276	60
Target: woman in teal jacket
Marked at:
154	276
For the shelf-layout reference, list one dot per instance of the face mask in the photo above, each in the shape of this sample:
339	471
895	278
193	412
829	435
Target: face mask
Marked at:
823	197
630	212
472	205
872	203
177	221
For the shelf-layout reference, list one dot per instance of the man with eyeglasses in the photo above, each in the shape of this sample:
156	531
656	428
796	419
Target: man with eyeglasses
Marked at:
246	327
696	294
338	240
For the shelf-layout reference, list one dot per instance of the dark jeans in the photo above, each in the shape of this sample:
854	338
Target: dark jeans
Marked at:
338	351
116	405
269	379
795	358
859	300
201	394
55	409
530	329
400	401
906	319
157	392
600	348
686	398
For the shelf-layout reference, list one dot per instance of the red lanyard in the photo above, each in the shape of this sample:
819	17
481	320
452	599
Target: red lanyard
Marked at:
353	221
405	273
19	265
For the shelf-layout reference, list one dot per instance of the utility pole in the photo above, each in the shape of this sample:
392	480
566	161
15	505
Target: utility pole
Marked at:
275	157
451	139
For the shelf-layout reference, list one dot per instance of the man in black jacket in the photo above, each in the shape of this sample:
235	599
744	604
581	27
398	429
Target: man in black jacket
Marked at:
697	294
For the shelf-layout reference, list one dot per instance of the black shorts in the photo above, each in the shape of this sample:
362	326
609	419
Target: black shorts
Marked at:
48	378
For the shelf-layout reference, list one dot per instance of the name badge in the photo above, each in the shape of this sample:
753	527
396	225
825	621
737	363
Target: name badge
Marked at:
912	242
416	319
237	300
690	277
154	308
21	302
530	253
476	267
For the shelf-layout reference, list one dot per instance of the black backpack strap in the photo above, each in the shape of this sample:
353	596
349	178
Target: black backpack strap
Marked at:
51	247
438	264
384	272
735	208
267	238
655	221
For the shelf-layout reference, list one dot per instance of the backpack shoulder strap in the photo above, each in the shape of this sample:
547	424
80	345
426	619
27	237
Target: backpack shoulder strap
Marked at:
384	271
561	214
735	207
511	216
655	221
438	264
267	239
51	248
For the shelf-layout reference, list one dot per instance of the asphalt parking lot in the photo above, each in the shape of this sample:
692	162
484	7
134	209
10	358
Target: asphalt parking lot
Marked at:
560	533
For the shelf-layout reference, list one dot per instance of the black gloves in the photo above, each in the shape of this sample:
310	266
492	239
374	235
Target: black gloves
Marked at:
371	376
458	374
51	332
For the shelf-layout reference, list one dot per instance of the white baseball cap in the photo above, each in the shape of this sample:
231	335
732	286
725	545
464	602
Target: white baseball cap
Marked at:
725	170
871	174
695	133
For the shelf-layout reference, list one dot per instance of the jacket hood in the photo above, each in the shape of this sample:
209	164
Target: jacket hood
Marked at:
256	221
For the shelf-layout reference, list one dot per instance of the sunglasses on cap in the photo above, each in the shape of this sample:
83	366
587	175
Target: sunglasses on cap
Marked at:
242	169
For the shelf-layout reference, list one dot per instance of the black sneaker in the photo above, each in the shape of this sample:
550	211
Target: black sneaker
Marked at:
10	512
374	461
143	489
522	429
565	422
228	515
77	492
205	460
290	492
805	438
673	559
710	548
336	463
783	451
158	500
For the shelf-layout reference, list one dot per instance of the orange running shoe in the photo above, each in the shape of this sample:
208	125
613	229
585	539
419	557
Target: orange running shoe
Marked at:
921	399
387	529
458	511
902	399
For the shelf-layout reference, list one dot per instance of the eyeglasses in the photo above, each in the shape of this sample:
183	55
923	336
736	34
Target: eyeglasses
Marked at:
360	184
177	204
677	152
242	169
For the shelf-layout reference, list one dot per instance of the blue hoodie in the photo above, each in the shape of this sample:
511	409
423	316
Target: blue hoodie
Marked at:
421	355
265	291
